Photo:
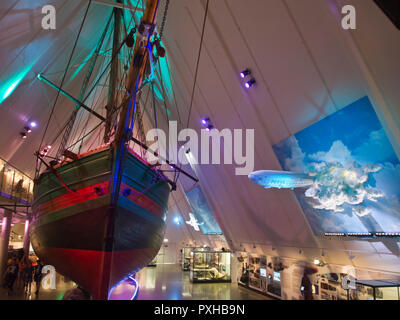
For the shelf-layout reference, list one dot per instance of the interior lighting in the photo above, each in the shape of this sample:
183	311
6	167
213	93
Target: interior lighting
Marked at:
250	83
245	73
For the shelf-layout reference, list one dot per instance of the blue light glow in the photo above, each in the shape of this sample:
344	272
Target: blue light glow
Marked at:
177	220
135	294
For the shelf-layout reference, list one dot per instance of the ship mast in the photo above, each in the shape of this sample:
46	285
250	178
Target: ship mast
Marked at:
111	103
137	69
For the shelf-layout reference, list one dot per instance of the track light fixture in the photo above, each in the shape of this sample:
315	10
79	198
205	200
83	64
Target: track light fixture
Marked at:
245	73
28	129
250	83
23	135
204	121
207	123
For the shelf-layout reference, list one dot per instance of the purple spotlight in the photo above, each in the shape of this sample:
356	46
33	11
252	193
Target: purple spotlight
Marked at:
244	73
33	124
249	83
204	121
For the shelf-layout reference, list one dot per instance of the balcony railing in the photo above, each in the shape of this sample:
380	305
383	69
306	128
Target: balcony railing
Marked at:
14	184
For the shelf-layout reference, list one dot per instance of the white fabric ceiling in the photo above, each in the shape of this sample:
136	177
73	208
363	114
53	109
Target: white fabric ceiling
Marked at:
306	67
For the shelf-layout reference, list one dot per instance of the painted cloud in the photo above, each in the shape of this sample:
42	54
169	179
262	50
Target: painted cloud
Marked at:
356	172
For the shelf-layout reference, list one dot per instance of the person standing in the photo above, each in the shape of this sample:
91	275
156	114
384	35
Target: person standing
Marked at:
38	275
28	271
21	268
11	275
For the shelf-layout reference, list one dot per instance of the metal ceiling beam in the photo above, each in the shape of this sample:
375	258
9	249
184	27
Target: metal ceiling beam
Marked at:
117	5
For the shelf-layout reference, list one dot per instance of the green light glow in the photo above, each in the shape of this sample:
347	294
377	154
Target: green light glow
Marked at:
83	64
10	89
9	86
166	77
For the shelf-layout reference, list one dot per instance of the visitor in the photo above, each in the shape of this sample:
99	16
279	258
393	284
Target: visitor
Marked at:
28	271
11	275
37	275
21	268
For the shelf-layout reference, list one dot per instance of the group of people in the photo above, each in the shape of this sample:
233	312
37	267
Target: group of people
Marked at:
24	272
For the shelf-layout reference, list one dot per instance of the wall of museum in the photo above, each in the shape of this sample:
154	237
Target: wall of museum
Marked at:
326	279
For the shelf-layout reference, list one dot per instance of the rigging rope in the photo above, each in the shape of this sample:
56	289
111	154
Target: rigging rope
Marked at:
164	19
197	64
196	72
113	56
62	82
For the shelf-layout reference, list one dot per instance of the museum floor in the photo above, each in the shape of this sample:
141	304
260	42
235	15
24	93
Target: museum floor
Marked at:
164	282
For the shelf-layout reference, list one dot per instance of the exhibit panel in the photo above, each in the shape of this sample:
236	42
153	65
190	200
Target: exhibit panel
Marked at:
261	273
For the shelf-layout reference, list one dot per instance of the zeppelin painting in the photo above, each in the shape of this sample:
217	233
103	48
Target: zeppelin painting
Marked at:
356	172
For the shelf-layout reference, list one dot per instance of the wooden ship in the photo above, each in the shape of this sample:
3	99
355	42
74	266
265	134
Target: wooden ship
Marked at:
99	217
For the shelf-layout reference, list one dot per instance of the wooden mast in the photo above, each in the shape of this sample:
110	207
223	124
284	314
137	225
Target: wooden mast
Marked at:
135	79
138	66
111	103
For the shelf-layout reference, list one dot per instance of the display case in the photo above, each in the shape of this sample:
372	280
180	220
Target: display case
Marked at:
210	266
375	290
187	257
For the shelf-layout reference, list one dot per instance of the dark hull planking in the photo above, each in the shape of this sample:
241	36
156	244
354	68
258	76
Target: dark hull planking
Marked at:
91	238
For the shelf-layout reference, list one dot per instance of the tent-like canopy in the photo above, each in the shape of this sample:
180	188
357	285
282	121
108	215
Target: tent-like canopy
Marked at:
306	67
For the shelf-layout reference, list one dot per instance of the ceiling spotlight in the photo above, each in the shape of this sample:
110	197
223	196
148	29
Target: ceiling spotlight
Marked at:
23	135
49	147
250	83
317	262
245	73
177	220
28	129
209	127
33	124
204	121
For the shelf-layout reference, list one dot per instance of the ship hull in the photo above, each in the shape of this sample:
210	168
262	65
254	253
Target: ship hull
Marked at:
107	227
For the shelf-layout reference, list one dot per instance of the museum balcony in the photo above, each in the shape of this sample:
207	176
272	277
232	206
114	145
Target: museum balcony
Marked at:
15	186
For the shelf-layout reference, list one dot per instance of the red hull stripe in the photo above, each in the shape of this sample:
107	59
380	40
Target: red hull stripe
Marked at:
85	266
142	200
72	198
